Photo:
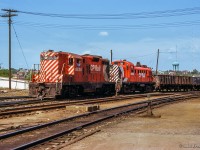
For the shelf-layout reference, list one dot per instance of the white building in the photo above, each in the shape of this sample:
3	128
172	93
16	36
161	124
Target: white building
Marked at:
15	84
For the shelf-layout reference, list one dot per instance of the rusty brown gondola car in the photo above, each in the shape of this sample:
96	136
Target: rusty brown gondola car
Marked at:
176	83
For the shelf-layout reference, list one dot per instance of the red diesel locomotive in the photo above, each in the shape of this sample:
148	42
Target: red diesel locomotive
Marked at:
130	77
66	74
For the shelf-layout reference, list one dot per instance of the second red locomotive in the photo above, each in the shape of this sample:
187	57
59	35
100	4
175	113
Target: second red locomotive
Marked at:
130	77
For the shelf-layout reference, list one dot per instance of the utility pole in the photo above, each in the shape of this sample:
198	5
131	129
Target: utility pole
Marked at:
157	62
9	14
111	54
1	65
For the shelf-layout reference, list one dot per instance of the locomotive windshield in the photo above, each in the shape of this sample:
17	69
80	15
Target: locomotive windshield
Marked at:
95	59
70	61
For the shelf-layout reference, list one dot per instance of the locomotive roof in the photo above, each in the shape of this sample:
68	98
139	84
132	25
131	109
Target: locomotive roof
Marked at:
61	52
105	59
75	55
140	66
92	55
124	61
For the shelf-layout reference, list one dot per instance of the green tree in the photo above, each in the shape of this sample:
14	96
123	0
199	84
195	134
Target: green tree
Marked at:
4	73
195	71
28	76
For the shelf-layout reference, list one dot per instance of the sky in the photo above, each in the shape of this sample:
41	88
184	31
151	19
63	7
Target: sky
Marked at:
133	29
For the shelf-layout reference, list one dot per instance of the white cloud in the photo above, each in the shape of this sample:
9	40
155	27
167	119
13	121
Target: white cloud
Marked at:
103	33
86	52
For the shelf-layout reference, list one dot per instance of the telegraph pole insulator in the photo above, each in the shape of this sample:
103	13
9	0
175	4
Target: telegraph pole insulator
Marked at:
9	14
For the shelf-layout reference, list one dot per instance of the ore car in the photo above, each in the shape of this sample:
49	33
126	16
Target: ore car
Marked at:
196	83
130	77
63	74
173	83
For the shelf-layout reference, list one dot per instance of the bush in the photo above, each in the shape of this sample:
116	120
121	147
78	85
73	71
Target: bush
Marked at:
4	73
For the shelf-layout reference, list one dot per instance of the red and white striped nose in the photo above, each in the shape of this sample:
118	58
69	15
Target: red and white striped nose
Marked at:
49	68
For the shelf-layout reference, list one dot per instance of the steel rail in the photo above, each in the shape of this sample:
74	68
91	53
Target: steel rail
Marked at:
21	102
14	97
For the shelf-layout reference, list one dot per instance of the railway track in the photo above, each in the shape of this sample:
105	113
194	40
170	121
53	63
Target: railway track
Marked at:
21	102
65	131
10	112
26	100
13	97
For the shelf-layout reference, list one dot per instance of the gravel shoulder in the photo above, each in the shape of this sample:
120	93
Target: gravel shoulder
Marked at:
13	92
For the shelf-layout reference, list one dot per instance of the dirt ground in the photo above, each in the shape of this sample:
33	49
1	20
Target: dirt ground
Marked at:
177	128
39	117
7	92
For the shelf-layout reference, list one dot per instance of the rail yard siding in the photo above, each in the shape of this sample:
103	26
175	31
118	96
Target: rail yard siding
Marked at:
15	84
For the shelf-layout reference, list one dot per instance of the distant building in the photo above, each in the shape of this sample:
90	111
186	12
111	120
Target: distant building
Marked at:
21	74
185	72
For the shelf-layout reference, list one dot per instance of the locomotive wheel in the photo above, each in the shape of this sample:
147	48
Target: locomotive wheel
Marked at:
69	92
99	91
72	92
149	89
108	90
41	95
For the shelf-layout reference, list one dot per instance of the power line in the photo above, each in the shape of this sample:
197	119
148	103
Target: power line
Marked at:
20	45
140	15
137	56
111	27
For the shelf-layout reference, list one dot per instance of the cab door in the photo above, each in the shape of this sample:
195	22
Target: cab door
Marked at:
78	71
86	70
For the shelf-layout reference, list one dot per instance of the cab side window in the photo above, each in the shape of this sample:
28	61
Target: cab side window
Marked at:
71	61
132	70
78	62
